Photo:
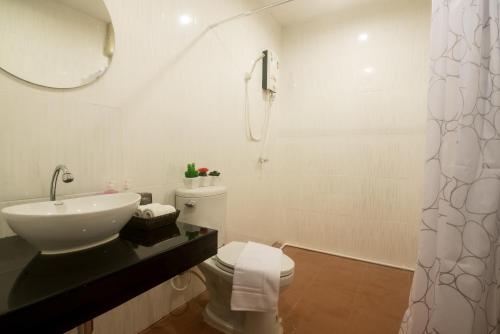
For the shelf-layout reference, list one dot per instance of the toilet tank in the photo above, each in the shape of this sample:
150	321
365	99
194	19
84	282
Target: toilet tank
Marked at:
204	206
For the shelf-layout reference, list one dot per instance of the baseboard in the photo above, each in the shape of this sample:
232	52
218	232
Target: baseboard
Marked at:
284	244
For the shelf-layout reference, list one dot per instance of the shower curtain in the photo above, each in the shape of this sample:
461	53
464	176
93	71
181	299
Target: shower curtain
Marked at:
456	282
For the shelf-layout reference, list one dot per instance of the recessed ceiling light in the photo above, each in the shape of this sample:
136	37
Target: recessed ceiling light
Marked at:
185	19
363	37
369	69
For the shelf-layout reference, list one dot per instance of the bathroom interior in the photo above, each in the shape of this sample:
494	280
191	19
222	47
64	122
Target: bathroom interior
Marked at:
316	166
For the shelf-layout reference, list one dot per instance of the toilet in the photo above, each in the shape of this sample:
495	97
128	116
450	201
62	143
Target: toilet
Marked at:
206	206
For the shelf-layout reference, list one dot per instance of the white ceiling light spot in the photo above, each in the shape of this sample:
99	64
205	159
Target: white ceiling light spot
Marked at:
369	70
363	37
185	19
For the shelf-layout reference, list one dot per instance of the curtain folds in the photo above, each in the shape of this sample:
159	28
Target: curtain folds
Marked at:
456	283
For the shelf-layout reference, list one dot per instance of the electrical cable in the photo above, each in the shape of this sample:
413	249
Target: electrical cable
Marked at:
179	277
269	98
263	154
189	273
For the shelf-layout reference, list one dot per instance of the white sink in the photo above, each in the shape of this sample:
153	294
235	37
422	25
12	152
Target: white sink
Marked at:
77	224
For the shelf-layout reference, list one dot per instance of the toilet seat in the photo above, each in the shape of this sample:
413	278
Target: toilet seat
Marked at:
228	254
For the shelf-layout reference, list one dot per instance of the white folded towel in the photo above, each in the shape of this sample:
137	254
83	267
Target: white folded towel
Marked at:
256	281
153	210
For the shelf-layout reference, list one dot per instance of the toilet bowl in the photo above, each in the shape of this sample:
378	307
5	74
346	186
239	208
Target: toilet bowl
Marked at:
206	207
219	273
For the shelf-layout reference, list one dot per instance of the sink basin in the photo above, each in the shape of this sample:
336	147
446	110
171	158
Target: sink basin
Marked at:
77	224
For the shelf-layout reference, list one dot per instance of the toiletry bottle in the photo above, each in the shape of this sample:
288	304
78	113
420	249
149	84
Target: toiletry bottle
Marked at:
126	185
110	188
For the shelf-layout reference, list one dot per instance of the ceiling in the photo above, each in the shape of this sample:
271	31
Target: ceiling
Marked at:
299	11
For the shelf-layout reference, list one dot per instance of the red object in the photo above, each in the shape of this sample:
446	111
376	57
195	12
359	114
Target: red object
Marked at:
203	170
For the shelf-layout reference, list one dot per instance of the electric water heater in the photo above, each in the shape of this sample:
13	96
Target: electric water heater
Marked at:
270	71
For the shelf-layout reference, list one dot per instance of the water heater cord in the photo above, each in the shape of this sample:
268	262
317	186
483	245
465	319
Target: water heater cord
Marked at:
269	98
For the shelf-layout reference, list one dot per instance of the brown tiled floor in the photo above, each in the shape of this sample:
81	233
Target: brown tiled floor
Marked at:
329	294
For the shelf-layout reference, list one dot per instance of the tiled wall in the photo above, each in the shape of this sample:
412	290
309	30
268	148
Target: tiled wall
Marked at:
172	95
352	131
347	130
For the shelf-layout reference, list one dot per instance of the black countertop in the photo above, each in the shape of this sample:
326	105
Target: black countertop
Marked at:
54	293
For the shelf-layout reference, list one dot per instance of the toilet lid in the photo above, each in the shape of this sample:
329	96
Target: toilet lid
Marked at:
228	254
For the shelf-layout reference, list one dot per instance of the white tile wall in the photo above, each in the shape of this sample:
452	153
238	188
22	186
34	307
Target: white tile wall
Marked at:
347	146
350	143
171	96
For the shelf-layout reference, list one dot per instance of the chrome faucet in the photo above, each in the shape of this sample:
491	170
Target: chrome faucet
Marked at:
67	177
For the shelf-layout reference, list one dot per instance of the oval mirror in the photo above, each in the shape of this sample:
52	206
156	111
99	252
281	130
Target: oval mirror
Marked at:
56	43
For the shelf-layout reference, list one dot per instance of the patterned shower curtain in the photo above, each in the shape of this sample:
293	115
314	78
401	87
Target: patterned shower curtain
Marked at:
456	283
